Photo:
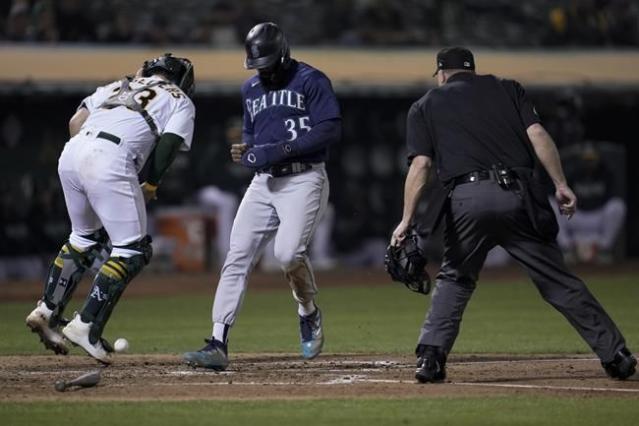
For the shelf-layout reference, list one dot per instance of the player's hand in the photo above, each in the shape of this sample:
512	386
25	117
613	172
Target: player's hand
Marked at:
237	150
566	199
149	191
399	233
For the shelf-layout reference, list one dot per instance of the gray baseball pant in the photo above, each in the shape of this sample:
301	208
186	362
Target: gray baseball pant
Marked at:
483	215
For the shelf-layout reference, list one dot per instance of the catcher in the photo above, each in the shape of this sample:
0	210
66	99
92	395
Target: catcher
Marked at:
114	132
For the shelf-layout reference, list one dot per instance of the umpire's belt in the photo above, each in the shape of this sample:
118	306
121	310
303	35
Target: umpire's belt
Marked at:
480	175
280	170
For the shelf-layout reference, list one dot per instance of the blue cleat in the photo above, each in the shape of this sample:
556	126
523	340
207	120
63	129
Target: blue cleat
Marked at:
311	334
214	356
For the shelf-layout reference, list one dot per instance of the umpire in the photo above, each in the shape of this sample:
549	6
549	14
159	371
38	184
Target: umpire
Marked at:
486	139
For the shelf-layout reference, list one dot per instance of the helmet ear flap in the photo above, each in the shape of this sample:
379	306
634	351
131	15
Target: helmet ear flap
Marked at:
286	52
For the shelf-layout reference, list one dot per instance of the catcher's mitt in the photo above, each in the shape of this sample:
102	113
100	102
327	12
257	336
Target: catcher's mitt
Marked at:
406	263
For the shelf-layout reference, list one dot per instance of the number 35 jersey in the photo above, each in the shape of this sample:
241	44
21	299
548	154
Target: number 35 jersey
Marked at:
138	112
286	114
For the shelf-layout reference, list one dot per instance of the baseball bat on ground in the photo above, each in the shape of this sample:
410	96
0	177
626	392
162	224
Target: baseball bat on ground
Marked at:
86	380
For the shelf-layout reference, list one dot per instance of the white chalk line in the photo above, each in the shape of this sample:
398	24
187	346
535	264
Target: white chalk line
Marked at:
363	380
546	387
519	361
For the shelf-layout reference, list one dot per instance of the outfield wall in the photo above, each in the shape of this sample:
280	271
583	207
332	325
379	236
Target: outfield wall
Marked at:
386	67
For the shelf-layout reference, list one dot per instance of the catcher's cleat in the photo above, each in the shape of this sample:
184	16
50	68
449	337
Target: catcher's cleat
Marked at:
39	321
214	356
77	332
622	366
311	334
431	364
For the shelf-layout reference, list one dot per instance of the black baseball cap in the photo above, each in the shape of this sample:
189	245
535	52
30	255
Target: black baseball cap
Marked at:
455	58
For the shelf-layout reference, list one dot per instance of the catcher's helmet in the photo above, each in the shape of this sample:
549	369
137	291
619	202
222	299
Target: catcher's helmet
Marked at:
177	70
266	47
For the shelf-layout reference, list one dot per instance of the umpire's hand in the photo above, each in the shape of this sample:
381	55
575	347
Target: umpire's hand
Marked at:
399	233
566	199
237	149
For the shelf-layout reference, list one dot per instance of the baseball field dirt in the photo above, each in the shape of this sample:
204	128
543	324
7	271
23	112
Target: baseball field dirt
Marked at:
276	376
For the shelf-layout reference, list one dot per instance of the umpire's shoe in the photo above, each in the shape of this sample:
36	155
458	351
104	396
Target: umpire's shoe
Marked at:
311	334
77	332
39	321
214	356
431	364
622	366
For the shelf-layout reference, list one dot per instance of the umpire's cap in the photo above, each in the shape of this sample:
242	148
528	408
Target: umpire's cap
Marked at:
265	46
455	58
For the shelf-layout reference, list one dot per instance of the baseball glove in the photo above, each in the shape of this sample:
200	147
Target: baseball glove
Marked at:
406	263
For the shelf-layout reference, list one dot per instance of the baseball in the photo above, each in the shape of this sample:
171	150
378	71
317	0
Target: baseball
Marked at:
121	345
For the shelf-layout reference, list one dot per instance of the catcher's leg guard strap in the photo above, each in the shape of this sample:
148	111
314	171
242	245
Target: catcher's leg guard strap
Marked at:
67	270
108	286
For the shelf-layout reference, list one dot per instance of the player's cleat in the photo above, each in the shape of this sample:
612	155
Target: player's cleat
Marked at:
77	332
622	366
39	321
431	364
311	334
214	356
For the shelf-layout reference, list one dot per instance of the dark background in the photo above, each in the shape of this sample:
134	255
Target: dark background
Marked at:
366	169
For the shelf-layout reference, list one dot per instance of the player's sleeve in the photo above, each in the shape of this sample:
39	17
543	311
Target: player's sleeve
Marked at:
182	122
247	124
321	101
418	137
93	101
525	107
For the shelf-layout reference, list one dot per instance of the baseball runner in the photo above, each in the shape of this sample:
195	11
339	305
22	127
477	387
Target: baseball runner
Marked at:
113	134
291	116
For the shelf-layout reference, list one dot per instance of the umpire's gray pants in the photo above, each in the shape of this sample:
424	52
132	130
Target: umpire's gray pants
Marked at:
483	215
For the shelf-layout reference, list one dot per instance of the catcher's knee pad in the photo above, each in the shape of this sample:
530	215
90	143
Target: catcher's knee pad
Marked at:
67	270
141	248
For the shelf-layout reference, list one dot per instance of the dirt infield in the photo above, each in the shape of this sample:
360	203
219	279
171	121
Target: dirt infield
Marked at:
164	377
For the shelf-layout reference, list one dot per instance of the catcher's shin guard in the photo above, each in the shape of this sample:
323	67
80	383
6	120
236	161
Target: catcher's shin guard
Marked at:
109	284
67	270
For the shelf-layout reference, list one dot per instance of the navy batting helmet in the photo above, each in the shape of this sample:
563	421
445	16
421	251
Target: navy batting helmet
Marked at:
177	70
266	46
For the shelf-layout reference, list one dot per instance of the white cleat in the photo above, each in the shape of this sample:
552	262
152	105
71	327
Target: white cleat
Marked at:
38	321
77	332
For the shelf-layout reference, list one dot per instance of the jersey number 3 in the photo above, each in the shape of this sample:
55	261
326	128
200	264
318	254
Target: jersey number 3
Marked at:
293	126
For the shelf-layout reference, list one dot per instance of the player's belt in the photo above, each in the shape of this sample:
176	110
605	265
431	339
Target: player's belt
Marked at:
286	169
108	136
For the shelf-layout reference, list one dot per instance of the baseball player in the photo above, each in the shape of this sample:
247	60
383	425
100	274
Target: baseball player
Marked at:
114	132
291	116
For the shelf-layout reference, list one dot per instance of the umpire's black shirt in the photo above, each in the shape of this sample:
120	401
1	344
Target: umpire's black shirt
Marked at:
471	123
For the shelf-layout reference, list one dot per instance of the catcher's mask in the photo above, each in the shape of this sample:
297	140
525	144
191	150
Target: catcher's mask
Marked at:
267	51
406	263
177	70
